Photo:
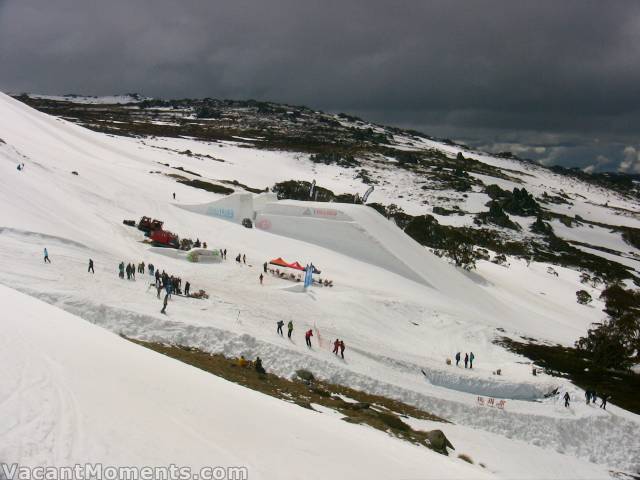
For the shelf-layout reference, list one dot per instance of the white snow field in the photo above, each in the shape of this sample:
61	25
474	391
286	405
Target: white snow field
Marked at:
393	326
77	393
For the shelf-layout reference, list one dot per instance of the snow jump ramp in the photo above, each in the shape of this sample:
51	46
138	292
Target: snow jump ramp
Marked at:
357	231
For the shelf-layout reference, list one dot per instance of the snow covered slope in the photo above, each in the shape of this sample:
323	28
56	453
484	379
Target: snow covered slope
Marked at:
76	393
394	327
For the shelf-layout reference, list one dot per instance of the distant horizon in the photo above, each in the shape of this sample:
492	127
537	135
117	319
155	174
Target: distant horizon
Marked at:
459	142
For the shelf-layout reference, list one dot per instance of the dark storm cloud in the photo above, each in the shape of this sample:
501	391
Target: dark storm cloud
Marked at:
486	72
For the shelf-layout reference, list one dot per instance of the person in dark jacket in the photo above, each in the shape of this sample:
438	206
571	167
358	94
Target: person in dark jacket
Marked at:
187	286
472	357
336	346
261	277
566	399
466	360
457	358
259	368
603	404
280	325
90	266
264	267
342	349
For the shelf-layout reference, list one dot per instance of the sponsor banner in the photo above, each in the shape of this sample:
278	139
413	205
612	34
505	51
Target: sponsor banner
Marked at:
321	212
221	212
263	224
491	402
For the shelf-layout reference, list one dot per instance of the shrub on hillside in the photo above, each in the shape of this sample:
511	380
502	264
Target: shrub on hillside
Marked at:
616	341
583	297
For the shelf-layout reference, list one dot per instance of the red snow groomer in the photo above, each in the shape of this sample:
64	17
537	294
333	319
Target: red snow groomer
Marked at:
164	238
147	225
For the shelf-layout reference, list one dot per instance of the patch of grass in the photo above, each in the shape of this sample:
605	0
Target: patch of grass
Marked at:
622	386
209	187
242	185
374	410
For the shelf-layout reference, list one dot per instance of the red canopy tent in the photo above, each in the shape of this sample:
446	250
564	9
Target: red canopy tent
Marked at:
280	262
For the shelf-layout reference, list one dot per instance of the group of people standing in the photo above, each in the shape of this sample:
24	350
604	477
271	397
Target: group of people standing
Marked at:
280	324
468	359
591	396
130	269
338	345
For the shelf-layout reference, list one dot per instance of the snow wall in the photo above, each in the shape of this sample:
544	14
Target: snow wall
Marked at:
357	231
235	207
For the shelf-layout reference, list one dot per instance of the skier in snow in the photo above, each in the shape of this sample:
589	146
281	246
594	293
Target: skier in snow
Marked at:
264	267
164	304
472	357
244	259
46	255
151	268
225	254
280	325
603	404
466	360
90	266
307	337
187	286
342	349
121	270
133	270
174	195
457	358
289	328
239	258
566	399
336	345
261	277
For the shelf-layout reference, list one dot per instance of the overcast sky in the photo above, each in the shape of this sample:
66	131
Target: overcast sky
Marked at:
557	81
